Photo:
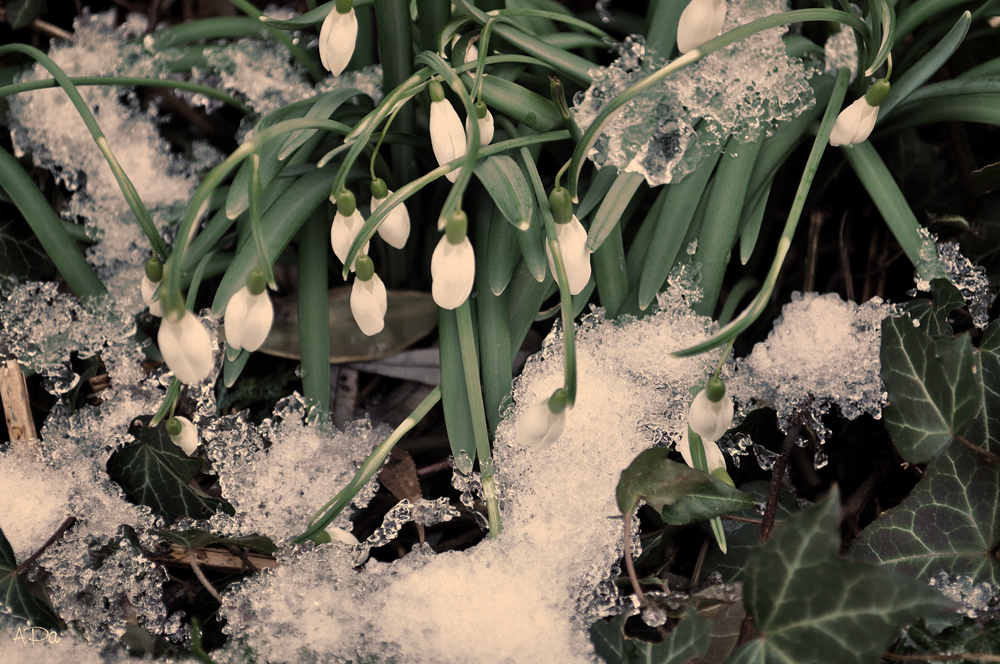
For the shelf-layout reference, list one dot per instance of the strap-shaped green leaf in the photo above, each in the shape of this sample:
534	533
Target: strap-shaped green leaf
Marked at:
507	186
612	207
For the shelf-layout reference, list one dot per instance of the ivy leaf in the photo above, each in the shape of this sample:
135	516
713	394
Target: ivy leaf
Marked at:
156	473
933	313
689	639
706	502
933	391
14	593
951	520
654	478
813	607
196	539
21	255
985	429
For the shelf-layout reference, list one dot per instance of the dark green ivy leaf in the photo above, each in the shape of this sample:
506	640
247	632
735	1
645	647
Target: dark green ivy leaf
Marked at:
21	255
933	313
706	502
689	639
14	593
933	390
156	473
656	479
813	607
950	520
985	429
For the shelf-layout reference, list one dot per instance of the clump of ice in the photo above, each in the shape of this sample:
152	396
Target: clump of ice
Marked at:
970	279
530	594
841	50
821	347
743	90
277	474
33	502
977	599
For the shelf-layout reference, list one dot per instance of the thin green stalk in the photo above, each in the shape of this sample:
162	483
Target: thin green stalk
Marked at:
255	230
607	114
395	43
131	81
128	189
750	314
49	229
315	70
470	363
314	312
168	402
326	514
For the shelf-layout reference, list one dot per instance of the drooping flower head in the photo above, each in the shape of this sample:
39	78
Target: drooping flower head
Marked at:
714	458
700	21
152	277
338	36
346	225
395	228
484	119
183	433
855	123
186	347
572	237
711	411
448	138
249	314
368	297
453	264
541	424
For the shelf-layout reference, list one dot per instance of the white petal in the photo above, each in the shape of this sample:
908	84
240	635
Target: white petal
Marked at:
187	439
486	128
710	419
453	271
342	234
395	228
236	316
713	455
336	40
572	238
186	348
700	21
257	324
148	288
854	124
368	304
538	427
447	135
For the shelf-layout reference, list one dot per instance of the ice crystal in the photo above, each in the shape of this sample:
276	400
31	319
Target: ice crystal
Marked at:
742	90
841	50
969	278
977	599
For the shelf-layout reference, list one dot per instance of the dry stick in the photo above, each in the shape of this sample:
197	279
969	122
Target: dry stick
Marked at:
812	255
627	521
990	457
17	410
204	580
66	525
698	564
740	519
845	261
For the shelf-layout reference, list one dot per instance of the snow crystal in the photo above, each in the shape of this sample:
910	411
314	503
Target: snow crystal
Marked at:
823	347
977	598
276	475
529	594
746	88
841	50
970	279
33	501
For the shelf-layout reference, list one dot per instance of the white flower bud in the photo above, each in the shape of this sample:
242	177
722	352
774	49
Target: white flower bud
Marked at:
336	40
186	348
572	238
700	21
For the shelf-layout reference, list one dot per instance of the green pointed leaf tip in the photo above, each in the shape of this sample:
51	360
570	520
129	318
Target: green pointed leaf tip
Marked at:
706	502
654	478
933	314
950	520
156	473
690	639
934	393
813	607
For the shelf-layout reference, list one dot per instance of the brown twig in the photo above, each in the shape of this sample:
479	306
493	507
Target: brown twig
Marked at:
698	563
816	220
66	525
627	522
201	577
845	261
740	519
990	457
778	471
43	27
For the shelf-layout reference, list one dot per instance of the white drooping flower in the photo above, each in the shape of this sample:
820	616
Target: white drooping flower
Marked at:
346	225
710	419
186	347
249	314
152	277
572	238
700	21
395	228
539	427
183	433
713	455
855	123
485	123
453	265
448	138
368	298
337	37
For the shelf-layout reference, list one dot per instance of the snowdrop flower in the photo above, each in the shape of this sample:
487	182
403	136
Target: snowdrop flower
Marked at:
152	277
395	228
700	21
337	37
368	298
186	347
447	133
485	122
713	455
856	122
711	411
183	433
541	425
453	264
249	314
346	224
572	237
